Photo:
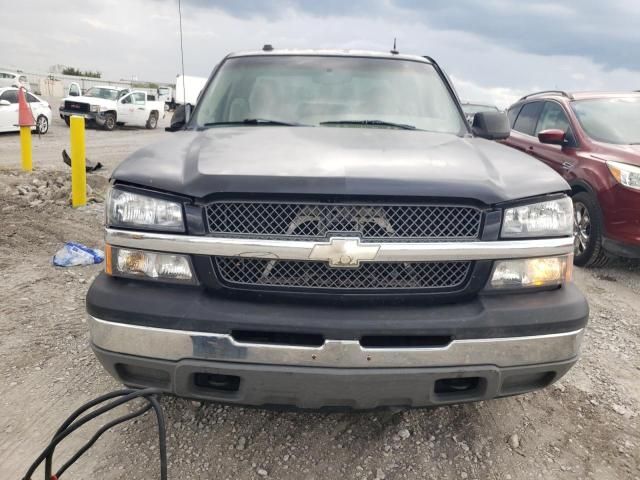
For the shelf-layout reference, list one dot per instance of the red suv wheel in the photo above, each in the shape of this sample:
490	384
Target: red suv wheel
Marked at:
588	232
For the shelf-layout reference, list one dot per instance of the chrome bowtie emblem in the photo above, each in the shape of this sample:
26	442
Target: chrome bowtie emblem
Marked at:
344	252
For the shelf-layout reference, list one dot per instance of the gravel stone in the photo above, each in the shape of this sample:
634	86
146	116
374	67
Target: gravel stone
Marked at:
619	409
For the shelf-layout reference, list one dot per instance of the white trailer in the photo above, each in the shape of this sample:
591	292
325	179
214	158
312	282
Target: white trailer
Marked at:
188	89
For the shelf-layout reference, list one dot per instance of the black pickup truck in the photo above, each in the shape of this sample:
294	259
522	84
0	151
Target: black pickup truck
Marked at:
327	231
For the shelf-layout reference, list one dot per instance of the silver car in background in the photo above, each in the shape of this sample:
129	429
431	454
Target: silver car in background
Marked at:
13	79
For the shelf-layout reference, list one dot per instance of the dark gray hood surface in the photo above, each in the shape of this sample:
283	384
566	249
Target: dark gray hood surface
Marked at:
337	161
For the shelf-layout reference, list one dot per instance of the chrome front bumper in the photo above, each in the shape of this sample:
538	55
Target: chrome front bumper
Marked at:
176	345
308	250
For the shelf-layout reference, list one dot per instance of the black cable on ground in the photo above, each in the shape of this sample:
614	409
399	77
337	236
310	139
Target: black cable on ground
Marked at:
48	452
97	435
92	403
75	421
76	414
162	436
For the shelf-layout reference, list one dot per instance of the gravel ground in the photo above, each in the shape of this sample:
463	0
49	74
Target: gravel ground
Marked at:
584	427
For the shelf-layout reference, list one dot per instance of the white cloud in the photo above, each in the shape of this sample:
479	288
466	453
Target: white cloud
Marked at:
501	97
98	24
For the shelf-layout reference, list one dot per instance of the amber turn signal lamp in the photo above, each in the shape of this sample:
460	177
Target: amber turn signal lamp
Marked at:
107	260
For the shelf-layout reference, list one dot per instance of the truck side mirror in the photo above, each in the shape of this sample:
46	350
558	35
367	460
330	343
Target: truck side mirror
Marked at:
491	125
180	117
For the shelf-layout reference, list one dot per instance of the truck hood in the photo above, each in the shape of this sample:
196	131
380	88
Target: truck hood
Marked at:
337	161
90	100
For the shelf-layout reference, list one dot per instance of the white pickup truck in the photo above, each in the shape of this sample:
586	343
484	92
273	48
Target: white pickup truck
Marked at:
108	106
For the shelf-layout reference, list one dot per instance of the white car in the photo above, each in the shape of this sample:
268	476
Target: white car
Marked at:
12	79
9	111
110	106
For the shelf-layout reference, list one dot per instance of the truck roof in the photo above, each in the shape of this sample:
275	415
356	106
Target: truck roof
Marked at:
109	87
332	53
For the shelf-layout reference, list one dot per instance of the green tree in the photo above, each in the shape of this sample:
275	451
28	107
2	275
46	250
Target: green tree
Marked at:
79	73
145	85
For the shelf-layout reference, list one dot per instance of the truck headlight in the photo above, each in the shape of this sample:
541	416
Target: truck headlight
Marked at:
167	267
94	108
531	272
625	174
553	218
131	210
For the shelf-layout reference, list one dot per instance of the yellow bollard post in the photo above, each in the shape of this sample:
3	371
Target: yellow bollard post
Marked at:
78	162
25	146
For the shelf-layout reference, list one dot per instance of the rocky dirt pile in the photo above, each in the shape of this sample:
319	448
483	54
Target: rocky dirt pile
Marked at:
42	188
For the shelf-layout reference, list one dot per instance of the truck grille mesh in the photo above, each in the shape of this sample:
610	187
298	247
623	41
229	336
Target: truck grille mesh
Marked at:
372	222
283	274
76	106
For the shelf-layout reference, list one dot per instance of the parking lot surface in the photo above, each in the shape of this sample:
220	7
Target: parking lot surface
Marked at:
585	426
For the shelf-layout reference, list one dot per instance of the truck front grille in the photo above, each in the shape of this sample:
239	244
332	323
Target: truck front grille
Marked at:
76	106
371	222
286	274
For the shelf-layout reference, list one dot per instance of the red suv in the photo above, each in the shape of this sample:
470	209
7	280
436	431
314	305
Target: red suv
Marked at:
593	141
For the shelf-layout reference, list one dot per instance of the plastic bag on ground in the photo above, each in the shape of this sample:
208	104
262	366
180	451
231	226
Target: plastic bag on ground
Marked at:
73	254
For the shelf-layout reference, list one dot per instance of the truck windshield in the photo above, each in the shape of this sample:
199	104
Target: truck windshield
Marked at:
331	91
106	93
610	120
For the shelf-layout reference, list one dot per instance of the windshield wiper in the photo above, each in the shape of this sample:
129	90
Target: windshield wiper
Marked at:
257	121
375	123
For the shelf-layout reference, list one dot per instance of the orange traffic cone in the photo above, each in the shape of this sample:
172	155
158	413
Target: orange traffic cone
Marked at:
25	121
25	117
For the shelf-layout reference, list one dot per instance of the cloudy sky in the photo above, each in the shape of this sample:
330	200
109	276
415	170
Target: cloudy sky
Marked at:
494	50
